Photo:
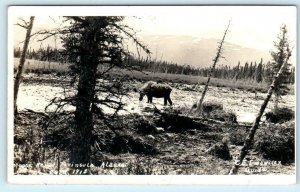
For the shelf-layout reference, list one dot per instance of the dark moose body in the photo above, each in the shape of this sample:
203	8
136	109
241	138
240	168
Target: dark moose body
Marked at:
158	90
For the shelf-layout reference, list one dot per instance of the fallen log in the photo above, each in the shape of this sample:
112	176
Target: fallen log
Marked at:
36	112
173	121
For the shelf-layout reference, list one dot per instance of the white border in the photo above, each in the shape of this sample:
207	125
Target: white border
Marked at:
10	96
155	179
111	179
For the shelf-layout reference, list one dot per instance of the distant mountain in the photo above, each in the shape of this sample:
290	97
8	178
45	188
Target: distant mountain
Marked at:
199	52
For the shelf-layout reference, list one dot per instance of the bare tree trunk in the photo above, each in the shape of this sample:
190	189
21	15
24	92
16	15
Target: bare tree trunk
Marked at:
249	140
276	101
18	78
216	59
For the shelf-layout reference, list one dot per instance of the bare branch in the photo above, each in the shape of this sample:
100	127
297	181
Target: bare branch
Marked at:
21	25
133	37
26	23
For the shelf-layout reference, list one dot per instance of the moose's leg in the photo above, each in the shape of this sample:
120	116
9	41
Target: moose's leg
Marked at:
169	99
148	99
165	100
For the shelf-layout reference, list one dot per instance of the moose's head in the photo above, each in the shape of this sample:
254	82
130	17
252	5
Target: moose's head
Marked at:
142	94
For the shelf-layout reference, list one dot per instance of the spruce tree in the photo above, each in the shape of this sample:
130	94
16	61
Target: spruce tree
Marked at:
92	42
237	71
245	72
259	72
250	71
279	55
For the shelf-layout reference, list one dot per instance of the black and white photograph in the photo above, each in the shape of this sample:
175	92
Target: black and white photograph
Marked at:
191	91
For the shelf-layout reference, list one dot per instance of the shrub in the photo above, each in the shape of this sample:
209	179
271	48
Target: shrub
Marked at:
238	136
277	142
225	116
126	143
215	110
144	126
221	151
210	106
280	115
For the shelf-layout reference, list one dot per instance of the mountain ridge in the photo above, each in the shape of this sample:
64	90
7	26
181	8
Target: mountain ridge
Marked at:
199	52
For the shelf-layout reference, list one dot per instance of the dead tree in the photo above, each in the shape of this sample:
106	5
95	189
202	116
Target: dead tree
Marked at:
249	140
215	60
18	78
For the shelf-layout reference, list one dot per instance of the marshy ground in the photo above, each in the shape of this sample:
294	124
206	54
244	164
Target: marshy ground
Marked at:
185	150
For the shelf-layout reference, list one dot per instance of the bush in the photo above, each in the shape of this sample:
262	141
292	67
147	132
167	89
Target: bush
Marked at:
238	136
143	126
280	115
221	151
214	110
277	142
126	143
222	115
210	106
124	134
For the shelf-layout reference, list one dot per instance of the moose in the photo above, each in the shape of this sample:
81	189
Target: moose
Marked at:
156	89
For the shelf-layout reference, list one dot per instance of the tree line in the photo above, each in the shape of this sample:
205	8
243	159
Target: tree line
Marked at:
43	54
252	71
258	72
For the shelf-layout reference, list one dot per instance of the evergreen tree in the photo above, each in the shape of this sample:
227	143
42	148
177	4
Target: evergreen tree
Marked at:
279	55
259	72
91	42
237	71
17	52
245	72
250	71
292	77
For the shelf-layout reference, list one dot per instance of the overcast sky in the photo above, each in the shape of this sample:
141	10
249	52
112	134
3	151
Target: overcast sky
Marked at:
254	27
251	26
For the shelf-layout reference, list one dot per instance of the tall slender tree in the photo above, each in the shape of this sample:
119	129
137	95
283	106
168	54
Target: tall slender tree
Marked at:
259	72
246	70
279	55
18	79
215	61
277	78
237	71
